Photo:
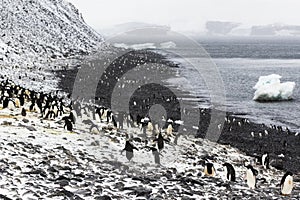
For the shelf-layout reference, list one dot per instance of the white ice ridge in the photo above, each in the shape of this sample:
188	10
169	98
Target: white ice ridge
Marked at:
136	46
149	45
269	88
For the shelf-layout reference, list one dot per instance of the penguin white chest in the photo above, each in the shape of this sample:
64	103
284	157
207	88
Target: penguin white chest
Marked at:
287	186
11	105
169	129
251	179
150	126
17	102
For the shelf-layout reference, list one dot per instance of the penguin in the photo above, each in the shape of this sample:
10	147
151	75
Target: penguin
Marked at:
160	141
114	121
265	160
50	115
68	124
209	169
18	103
169	130
286	184
5	102
251	174
129	150
11	104
108	115
144	125
73	116
150	126
23	112
230	172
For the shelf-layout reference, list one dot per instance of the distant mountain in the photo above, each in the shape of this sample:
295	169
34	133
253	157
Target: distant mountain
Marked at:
38	31
220	28
275	30
130	26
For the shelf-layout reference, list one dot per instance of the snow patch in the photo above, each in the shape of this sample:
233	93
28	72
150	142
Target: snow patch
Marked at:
269	88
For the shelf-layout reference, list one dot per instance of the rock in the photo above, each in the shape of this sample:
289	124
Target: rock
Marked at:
35	172
31	136
95	143
6	123
30	128
105	197
4	197
62	183
25	120
85	192
119	186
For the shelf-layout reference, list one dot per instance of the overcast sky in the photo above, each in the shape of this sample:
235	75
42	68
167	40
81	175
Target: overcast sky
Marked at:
187	15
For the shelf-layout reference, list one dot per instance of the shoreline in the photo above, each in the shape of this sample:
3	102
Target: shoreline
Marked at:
273	141
40	158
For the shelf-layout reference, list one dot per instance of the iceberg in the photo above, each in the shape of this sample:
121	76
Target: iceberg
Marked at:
269	88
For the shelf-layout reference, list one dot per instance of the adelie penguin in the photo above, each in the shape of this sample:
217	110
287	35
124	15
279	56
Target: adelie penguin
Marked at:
170	129
230	172
265	159
68	123
160	141
251	174
209	169
129	150
286	184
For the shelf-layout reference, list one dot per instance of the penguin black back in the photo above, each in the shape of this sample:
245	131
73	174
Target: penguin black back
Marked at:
160	141
23	112
284	177
209	169
230	172
68	123
286	184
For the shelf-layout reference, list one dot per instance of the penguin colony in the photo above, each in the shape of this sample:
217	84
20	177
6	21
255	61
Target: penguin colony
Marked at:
51	106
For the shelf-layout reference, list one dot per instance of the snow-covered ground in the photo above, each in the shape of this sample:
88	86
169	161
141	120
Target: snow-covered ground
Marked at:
39	159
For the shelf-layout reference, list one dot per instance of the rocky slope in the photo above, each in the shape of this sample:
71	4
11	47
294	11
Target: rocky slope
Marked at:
37	34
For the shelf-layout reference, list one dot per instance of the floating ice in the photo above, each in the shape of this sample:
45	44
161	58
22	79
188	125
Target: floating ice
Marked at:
269	88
